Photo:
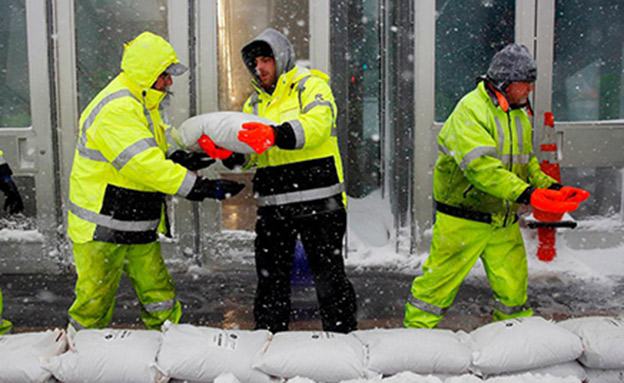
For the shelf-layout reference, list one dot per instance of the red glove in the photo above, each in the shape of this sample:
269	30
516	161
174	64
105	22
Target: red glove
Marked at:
257	135
553	201
573	194
213	150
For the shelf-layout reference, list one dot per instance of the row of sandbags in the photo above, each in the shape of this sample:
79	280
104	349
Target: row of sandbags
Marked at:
201	354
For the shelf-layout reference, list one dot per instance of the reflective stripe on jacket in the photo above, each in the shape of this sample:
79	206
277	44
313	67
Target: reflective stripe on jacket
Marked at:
313	170
486	159
120	171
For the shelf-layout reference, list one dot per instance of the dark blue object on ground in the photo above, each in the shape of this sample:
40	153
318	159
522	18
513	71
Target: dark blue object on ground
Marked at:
301	275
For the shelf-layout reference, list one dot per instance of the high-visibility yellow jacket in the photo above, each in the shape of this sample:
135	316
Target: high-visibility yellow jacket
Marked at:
120	170
485	160
307	178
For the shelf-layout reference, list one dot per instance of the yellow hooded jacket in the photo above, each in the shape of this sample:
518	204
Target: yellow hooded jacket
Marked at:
120	172
308	178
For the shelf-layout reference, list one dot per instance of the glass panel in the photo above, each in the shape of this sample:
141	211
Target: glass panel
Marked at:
364	139
14	82
99	42
468	34
239	22
589	57
604	183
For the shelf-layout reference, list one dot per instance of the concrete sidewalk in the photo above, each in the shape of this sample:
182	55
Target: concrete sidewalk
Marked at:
225	299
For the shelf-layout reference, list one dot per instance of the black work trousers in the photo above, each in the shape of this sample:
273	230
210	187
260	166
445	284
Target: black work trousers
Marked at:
321	235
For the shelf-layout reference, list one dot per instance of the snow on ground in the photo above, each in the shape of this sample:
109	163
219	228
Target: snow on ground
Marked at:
371	242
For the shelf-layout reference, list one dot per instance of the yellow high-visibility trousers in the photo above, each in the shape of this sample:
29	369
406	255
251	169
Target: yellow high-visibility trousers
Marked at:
456	246
5	325
99	266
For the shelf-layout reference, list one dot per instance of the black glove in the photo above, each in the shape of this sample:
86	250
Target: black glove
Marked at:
236	160
12	200
217	189
191	160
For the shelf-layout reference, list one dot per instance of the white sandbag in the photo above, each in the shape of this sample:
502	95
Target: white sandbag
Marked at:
603	341
522	344
221	127
422	351
410	377
20	355
320	356
563	370
604	376
201	354
109	356
462	379
530	378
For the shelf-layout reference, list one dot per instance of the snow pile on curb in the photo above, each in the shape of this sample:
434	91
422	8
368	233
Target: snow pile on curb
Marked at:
513	351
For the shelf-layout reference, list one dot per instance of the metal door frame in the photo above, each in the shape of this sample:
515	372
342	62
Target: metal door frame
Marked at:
36	144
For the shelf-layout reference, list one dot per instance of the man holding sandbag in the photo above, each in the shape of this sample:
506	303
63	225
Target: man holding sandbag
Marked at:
118	183
298	183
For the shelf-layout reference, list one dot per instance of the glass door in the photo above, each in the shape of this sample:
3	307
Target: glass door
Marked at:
372	62
30	240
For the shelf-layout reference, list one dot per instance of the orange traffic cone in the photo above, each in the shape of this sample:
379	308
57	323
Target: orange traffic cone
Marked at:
546	234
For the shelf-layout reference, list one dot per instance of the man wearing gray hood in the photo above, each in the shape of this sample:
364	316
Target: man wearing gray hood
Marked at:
485	170
299	185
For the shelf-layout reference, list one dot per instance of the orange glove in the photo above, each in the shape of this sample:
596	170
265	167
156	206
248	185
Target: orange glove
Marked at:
553	201
213	150
257	135
574	194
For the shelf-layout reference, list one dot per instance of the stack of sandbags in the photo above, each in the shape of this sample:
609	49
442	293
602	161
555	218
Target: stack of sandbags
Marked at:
321	356
201	354
421	351
525	345
221	127
98	356
603	347
21	355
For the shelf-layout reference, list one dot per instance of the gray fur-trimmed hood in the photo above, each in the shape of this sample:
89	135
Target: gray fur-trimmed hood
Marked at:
282	50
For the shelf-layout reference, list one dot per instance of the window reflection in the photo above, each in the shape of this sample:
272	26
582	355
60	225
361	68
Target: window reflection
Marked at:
14	81
589	56
468	34
102	27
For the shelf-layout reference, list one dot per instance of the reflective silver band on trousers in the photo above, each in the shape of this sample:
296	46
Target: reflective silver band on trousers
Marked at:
110	222
507	310
301	196
76	325
427	307
160	306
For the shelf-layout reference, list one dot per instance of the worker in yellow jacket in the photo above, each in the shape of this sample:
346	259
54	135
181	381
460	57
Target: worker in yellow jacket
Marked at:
12	205
299	185
485	169
119	179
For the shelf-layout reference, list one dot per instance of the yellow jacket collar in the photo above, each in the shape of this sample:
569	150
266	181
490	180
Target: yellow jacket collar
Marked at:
149	97
293	76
